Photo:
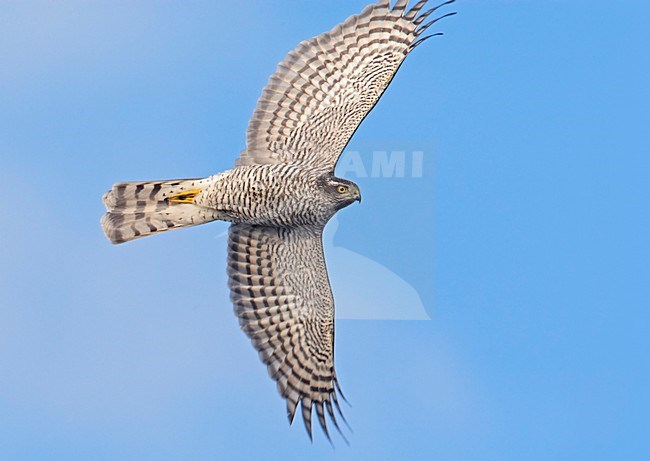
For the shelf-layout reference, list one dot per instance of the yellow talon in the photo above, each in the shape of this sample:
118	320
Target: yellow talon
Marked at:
185	196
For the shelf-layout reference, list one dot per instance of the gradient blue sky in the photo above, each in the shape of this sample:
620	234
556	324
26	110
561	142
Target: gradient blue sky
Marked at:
526	240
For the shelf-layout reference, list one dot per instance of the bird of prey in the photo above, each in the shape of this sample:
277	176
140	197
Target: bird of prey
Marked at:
281	193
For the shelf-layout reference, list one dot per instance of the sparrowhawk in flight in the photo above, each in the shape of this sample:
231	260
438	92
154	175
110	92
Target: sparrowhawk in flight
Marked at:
281	193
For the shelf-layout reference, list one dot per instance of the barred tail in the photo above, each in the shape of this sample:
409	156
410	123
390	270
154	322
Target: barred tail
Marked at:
138	209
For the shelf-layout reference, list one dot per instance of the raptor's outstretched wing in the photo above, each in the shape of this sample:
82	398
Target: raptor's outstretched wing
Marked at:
281	293
326	86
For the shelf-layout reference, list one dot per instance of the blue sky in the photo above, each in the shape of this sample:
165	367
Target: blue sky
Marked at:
525	240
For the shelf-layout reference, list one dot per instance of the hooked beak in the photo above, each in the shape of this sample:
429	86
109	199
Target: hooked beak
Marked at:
357	195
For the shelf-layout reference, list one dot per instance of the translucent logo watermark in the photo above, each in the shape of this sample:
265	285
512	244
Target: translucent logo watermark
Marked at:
385	295
381	164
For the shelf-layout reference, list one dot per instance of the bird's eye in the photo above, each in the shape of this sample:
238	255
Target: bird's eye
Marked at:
342	189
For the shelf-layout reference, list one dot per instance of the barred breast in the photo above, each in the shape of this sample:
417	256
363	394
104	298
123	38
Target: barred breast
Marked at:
273	195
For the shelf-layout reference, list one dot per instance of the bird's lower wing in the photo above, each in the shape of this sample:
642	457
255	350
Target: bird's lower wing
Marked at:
281	294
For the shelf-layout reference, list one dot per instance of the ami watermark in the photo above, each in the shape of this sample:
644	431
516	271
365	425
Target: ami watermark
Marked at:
381	164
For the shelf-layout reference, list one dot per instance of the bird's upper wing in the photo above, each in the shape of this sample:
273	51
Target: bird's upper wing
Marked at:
324	88
281	294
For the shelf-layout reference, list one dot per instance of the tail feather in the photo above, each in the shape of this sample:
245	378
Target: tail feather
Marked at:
138	209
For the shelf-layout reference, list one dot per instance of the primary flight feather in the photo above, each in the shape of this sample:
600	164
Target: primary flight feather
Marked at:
281	193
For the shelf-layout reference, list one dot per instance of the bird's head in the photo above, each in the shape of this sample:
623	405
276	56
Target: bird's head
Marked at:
341	192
